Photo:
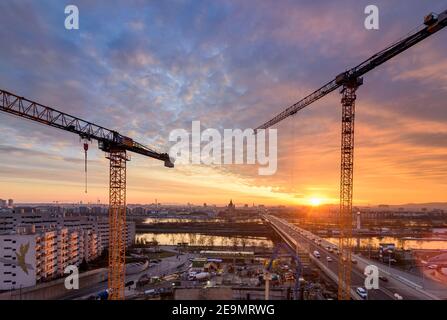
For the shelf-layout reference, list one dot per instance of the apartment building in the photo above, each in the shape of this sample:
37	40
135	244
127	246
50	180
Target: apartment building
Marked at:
18	265
9	220
28	256
101	227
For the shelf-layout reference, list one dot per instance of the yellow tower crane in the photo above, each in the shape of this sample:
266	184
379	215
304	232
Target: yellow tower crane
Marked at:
116	147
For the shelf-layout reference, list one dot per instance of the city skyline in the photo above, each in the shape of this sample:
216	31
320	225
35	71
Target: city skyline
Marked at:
231	66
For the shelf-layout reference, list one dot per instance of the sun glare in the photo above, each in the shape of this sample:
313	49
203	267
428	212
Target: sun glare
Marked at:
315	202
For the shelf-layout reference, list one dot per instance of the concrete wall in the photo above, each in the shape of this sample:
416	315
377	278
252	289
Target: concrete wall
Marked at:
203	294
55	289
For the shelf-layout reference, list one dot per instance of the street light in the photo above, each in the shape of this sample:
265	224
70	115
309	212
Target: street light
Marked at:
389	260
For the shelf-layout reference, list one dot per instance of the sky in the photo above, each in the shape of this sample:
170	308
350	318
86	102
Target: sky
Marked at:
145	68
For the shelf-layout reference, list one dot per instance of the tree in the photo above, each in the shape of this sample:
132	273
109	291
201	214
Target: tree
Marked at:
83	266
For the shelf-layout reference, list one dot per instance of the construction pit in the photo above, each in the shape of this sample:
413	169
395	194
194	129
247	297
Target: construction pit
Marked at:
237	275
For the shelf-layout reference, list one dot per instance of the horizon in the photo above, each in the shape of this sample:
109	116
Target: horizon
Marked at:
322	205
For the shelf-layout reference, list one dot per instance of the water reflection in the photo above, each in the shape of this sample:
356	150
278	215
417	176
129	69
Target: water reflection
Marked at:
373	242
197	239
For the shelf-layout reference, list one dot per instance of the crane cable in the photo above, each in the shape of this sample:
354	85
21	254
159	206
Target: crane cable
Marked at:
294	144
85	163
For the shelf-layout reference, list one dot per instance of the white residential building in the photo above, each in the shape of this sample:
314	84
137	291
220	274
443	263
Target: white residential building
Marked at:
28	256
18	265
36	246
9	220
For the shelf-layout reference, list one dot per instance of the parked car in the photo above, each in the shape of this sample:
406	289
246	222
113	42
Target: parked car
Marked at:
150	292
329	259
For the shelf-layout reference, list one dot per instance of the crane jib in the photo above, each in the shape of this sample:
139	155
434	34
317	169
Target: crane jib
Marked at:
107	139
432	23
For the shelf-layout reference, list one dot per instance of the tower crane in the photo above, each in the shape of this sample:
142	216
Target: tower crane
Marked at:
116	146
349	81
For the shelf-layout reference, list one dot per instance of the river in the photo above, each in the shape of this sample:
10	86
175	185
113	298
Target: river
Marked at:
204	240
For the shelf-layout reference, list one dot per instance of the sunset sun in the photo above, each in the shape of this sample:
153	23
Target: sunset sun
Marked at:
315	202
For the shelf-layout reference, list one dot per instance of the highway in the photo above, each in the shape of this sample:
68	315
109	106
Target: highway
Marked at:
294	235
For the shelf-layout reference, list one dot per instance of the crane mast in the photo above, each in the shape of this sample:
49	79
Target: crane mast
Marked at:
116	147
346	186
350	81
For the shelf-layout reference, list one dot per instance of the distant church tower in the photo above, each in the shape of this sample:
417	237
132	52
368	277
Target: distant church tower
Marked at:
231	207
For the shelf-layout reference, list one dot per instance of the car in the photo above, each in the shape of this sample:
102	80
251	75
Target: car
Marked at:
398	296
329	259
383	278
432	266
129	283
354	261
192	276
316	254
162	290
150	292
362	293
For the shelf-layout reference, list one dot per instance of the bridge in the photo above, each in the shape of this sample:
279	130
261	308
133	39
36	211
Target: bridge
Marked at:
398	283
